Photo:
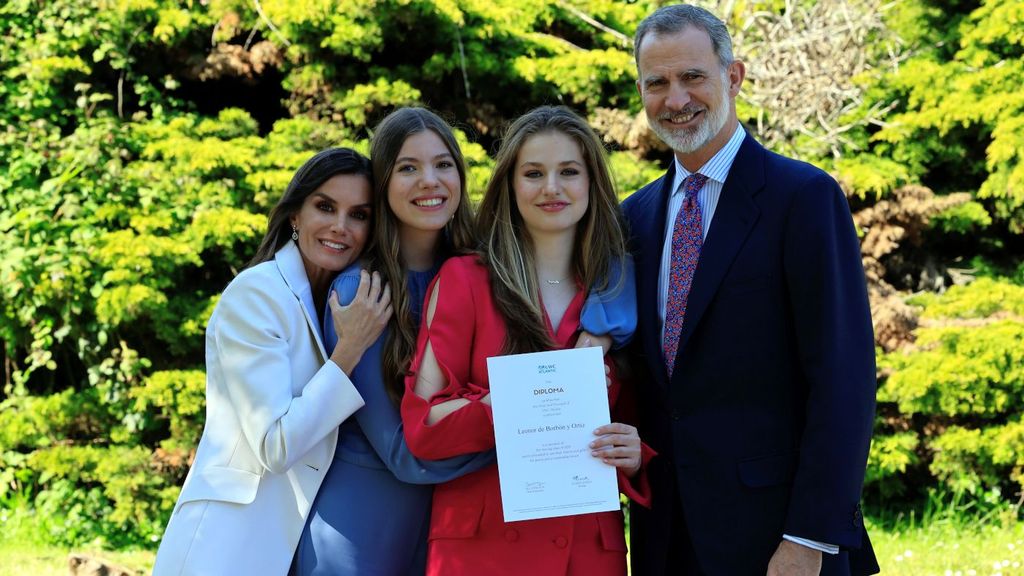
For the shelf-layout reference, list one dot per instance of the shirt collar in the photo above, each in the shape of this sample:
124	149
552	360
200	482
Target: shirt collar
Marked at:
717	167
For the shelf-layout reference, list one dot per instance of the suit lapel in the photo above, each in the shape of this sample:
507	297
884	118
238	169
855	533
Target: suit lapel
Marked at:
734	218
289	262
649	227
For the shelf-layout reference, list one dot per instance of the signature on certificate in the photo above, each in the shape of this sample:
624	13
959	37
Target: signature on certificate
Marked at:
581	481
534	487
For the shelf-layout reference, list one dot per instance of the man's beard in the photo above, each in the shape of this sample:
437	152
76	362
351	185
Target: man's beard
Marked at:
688	140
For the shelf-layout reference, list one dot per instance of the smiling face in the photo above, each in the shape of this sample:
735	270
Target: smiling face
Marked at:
551	183
424	190
687	95
333	224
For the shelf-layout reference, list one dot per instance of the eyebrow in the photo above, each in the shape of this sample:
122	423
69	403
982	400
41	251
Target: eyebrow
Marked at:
690	71
411	159
563	163
682	73
323	196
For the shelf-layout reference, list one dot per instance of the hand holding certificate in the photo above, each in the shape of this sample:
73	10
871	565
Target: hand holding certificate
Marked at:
546	406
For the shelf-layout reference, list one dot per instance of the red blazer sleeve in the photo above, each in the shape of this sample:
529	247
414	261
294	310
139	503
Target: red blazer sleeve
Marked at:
451	334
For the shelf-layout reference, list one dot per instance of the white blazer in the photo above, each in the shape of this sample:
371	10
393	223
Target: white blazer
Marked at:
273	406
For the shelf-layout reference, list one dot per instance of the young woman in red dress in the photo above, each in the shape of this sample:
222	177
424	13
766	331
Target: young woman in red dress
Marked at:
551	226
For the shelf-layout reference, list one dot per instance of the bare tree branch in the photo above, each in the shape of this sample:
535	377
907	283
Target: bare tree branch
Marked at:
263	16
802	69
622	38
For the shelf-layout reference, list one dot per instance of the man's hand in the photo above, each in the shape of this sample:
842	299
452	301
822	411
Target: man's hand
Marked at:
792	559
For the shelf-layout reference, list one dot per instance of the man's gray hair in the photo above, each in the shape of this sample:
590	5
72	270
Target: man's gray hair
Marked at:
676	18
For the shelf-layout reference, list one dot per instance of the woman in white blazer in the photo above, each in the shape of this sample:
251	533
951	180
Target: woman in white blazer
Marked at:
274	396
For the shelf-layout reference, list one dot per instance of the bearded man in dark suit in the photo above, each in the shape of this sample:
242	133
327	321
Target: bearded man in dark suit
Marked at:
755	333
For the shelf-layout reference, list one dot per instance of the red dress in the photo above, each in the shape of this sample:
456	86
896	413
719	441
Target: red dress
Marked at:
467	532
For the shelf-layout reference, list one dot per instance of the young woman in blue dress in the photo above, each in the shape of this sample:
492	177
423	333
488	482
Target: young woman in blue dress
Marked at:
372	514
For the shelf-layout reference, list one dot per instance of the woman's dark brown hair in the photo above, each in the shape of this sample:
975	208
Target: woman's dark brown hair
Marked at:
320	168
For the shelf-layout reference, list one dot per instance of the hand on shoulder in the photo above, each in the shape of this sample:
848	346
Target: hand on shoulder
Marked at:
362	321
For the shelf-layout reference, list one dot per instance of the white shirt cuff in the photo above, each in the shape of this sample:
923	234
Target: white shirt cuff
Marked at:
821	546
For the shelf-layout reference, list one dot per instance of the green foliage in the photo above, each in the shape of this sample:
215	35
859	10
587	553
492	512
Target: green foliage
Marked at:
108	493
30	422
478	166
365	98
116	244
126	211
982	298
960	371
960	93
631	173
973	460
868	175
573	75
891	456
144	142
963	218
960	390
179	397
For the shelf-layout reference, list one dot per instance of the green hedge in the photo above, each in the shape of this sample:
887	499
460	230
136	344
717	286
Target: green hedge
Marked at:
145	140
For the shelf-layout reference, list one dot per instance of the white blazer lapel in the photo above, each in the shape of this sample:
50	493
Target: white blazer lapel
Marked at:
289	262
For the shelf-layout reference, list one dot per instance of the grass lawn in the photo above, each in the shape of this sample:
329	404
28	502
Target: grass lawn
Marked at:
22	559
950	549
939	549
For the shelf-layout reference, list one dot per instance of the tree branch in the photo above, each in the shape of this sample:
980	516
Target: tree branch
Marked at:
625	40
263	16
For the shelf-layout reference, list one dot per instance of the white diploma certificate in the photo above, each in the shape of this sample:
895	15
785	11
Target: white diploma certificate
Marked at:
546	406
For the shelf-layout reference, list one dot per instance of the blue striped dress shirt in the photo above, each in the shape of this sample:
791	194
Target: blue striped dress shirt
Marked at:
716	169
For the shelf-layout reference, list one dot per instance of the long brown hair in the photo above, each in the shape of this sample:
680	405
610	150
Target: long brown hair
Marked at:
383	253
323	166
508	248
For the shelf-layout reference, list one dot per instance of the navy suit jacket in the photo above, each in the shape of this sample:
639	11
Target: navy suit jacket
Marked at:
765	424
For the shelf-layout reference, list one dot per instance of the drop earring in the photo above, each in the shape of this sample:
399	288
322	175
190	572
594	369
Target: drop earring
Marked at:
295	234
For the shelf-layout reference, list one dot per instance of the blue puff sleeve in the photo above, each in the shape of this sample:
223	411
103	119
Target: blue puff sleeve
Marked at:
613	311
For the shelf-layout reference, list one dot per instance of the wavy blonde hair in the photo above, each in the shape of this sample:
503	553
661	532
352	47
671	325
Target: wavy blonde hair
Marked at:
508	248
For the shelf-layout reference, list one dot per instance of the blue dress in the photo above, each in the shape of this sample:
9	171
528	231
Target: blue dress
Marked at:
372	512
371	515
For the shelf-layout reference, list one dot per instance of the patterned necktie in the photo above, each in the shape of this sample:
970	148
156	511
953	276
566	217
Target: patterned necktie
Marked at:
687	238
